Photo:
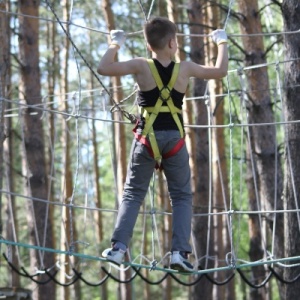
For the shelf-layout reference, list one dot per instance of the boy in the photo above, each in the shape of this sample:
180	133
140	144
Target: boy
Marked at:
159	134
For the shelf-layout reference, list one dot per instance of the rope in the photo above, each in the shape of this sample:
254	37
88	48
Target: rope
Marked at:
153	222
130	117
168	272
230	212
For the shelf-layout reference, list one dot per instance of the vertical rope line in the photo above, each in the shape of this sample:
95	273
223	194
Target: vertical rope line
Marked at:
87	184
50	177
77	108
278	83
152	211
150	9
232	261
13	222
153	214
269	17
144	232
229	219
75	177
207	102
29	185
253	165
241	161
228	13
142	9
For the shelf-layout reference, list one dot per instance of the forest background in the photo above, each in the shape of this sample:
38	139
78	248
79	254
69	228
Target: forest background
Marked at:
65	137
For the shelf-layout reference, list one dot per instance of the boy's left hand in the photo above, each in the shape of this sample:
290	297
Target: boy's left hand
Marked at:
117	37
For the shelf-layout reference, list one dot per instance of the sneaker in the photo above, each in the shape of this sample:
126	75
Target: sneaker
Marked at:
180	262
114	255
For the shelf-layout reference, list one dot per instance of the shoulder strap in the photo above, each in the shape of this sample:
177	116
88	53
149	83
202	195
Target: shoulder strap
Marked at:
157	78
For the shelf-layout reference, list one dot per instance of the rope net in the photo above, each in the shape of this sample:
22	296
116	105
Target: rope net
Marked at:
83	224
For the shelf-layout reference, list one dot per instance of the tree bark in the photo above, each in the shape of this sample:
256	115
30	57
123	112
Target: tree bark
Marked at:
7	136
291	12
263	172
119	138
36	177
202	290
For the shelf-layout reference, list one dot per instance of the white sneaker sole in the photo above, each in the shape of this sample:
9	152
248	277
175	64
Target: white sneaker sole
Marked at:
180	268
110	258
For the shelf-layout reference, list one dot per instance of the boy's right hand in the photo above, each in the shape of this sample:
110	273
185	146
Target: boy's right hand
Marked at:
117	37
219	36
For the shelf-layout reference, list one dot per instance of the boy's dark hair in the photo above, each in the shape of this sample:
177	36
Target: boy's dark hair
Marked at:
159	31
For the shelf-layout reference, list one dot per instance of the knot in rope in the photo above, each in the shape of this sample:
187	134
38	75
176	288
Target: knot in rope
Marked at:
152	211
153	265
230	212
240	71
230	260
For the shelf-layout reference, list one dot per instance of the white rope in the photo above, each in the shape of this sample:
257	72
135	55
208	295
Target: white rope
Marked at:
229	212
27	176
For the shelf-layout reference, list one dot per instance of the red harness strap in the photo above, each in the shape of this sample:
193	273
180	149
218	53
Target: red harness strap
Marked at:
145	142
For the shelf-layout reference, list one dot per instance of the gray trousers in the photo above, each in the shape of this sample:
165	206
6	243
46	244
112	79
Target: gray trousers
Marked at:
139	173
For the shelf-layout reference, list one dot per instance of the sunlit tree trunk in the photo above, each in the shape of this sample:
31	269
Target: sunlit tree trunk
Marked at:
36	176
291	13
119	137
7	136
68	229
262	171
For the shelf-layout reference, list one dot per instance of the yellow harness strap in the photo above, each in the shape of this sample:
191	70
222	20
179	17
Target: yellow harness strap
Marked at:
150	113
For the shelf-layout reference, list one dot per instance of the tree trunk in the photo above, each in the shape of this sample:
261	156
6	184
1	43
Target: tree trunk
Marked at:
262	147
119	139
5	89
291	12
36	176
202	290
68	228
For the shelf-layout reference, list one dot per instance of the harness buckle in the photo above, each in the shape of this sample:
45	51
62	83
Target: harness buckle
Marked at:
165	93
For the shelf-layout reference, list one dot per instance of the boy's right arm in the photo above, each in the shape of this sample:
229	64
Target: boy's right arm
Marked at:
108	66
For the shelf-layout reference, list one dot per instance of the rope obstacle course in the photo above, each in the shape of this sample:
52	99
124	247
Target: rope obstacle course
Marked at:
233	263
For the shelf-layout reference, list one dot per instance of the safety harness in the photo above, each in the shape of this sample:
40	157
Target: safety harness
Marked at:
150	114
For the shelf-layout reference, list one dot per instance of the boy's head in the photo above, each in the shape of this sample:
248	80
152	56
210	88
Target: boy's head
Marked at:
158	32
